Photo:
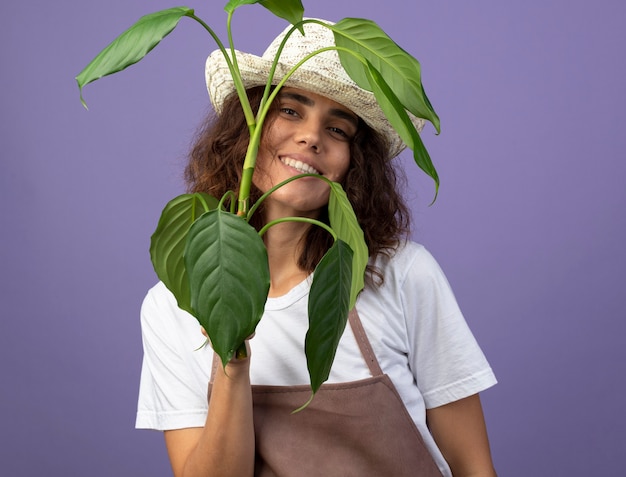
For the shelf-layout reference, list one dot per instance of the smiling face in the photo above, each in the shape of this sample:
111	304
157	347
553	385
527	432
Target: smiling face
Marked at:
307	133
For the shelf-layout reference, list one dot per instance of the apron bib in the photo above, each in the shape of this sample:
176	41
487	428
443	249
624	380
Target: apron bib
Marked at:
359	428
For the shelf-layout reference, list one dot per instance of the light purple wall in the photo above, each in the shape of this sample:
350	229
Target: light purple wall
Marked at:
529	225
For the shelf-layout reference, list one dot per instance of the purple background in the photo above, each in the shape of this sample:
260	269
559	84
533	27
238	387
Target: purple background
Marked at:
529	225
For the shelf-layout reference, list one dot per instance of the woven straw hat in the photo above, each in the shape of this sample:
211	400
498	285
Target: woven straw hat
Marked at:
322	74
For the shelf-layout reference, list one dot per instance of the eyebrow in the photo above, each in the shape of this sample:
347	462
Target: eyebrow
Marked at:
305	100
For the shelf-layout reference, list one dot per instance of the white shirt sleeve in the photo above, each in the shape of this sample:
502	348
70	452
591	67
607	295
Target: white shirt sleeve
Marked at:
175	372
444	356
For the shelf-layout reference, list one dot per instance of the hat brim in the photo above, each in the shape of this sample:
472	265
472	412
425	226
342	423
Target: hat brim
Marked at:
255	71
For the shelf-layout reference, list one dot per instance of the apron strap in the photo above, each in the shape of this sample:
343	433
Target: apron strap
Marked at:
364	343
361	339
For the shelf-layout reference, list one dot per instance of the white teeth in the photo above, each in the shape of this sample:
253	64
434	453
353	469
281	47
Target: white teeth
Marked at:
299	165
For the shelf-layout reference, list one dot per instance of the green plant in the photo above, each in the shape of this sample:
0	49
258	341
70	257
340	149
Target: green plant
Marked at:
204	249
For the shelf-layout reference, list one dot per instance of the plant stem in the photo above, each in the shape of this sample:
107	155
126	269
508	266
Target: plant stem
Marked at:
236	74
278	186
205	206
233	67
244	187
298	219
270	78
257	127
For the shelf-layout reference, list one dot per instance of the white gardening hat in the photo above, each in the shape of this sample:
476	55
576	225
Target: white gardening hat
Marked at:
322	74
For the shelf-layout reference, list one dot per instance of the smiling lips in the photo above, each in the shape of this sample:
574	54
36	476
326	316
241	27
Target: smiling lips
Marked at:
299	166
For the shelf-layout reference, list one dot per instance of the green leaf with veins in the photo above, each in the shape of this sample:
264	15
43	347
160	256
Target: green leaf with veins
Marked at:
167	244
132	45
398	68
229	278
400	120
329	304
345	224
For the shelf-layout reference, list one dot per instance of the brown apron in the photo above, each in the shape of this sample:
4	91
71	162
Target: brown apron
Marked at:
359	428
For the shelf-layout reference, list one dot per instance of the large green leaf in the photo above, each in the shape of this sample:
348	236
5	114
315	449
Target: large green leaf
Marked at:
290	10
168	241
329	304
228	277
398	68
132	45
345	224
399	119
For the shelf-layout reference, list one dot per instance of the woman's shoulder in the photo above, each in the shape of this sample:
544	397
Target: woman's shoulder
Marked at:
410	260
159	310
159	297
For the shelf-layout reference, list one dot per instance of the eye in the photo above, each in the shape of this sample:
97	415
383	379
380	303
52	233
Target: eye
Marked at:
288	111
340	133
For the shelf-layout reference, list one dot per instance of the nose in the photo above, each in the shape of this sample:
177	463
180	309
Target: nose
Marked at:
309	134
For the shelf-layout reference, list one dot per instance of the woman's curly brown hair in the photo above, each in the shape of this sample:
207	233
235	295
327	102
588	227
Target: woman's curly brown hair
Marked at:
371	183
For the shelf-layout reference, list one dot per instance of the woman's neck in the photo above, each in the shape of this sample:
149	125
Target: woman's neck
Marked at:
284	245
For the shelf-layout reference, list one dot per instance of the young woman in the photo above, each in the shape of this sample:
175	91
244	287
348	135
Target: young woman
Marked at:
402	397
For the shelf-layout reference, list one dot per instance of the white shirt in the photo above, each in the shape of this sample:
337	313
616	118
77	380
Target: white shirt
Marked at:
413	322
